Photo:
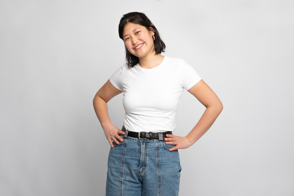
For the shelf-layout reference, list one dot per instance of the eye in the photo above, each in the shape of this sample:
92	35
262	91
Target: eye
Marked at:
126	39
137	32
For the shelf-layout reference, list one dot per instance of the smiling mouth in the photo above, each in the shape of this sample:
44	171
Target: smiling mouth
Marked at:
138	47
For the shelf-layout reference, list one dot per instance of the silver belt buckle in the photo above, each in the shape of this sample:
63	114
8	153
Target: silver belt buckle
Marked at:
140	134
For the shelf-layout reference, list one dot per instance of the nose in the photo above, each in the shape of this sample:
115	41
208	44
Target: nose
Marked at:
134	40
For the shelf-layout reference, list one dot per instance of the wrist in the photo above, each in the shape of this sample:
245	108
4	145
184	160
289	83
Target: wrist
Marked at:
191	141
105	124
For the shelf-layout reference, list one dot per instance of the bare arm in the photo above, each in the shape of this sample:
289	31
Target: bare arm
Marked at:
213	105
104	94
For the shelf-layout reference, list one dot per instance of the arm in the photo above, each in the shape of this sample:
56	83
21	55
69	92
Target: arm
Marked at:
213	105
104	94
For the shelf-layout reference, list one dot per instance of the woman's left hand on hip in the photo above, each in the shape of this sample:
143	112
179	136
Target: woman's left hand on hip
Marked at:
180	142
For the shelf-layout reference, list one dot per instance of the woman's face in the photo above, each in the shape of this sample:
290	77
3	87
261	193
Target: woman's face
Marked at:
138	40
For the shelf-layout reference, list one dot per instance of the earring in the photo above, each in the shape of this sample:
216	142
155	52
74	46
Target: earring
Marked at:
153	37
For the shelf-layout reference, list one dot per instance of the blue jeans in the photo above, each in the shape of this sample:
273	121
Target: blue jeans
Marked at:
143	167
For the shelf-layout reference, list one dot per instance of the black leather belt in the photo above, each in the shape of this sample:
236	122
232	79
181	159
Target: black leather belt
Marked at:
146	135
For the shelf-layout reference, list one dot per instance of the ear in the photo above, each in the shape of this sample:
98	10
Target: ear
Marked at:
152	30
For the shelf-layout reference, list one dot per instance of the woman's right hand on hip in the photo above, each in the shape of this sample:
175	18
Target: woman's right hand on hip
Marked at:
112	134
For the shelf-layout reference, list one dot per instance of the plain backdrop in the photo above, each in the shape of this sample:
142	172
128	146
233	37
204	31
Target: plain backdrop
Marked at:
55	55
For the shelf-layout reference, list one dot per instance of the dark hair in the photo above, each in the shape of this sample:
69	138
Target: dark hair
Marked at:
141	19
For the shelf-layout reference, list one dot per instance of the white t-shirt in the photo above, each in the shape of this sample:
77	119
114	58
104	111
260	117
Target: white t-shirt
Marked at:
151	96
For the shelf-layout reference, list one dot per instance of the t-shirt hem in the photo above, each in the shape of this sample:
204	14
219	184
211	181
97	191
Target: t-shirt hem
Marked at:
192	84
115	85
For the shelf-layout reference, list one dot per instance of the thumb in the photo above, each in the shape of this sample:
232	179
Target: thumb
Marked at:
174	148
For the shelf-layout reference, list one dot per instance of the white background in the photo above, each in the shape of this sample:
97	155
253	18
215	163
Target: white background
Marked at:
56	54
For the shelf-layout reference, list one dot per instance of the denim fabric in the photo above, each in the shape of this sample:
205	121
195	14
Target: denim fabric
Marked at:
143	168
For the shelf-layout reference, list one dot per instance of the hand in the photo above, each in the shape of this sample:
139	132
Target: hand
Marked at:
180	142
112	134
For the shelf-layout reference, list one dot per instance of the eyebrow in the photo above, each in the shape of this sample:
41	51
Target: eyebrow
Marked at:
127	34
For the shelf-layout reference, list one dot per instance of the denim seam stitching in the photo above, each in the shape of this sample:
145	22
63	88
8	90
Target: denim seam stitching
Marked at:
121	169
158	167
145	159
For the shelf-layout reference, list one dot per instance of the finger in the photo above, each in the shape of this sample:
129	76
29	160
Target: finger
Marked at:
110	142
121	133
169	135
168	139
119	138
115	140
173	143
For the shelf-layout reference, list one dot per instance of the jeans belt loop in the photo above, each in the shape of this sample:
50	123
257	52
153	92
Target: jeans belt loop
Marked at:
160	136
126	133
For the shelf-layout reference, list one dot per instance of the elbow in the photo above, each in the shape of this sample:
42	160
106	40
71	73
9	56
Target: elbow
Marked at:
98	98
95	99
219	107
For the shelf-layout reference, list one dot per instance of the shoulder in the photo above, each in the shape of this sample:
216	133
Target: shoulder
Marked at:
173	62
173	59
176	60
122	68
180	63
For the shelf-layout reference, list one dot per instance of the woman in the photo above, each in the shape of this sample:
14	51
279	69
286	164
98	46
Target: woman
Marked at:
144	158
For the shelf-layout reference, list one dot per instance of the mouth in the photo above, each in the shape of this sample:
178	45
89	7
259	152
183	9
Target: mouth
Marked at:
138	47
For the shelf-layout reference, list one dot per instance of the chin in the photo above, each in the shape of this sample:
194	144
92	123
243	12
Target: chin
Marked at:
139	56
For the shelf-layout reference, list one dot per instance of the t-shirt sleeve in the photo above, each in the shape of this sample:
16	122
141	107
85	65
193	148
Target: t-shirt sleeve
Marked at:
116	78
189	75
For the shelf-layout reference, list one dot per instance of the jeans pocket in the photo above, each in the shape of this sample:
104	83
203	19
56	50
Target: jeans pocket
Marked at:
168	146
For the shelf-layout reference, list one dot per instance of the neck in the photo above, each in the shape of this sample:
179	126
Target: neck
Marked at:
151	60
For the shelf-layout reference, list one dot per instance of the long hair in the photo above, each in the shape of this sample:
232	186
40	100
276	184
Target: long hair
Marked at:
141	19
